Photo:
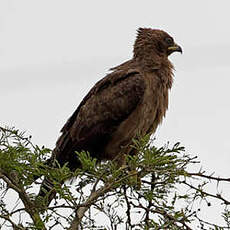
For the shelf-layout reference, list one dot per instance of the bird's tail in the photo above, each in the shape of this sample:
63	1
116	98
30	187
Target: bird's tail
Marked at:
63	153
47	192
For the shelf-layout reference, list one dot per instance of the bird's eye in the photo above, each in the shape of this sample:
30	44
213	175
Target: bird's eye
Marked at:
169	40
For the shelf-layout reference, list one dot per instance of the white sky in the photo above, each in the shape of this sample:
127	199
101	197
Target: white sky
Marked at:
53	51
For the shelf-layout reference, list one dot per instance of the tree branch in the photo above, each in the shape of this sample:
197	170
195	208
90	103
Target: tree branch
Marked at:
85	206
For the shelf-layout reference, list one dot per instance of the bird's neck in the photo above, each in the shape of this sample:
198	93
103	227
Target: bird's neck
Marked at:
149	63
165	74
163	69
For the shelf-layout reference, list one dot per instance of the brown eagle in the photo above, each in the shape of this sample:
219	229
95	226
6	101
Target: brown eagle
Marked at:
130	101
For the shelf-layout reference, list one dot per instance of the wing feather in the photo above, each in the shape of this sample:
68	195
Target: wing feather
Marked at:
110	105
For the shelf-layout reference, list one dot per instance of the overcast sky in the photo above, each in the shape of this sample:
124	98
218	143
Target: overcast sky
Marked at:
53	51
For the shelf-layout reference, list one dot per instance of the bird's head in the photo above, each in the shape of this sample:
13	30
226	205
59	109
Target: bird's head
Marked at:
154	44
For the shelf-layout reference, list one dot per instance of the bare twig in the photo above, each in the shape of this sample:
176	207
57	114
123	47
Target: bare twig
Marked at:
217	196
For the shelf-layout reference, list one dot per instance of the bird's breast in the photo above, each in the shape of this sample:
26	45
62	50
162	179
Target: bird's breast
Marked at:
143	120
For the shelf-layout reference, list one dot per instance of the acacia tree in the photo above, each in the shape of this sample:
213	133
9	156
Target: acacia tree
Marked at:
154	191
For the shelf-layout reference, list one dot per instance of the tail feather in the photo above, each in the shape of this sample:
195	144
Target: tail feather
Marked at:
47	191
63	152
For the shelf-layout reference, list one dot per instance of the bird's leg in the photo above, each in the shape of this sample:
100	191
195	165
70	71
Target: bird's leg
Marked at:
121	162
134	178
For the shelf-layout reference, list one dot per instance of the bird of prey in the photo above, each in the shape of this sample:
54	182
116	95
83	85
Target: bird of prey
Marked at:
129	102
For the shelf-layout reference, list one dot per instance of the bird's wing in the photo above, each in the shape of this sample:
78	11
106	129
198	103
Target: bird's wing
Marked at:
107	104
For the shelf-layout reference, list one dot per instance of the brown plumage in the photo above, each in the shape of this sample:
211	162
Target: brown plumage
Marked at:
129	102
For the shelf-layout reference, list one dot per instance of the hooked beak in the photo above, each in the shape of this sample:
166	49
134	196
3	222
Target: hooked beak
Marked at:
174	48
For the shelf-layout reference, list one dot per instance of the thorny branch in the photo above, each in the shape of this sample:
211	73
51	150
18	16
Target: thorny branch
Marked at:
202	174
